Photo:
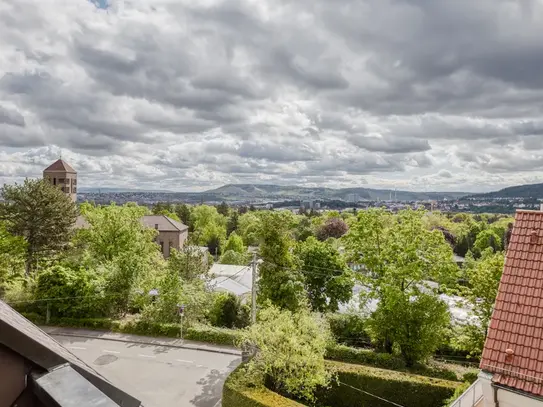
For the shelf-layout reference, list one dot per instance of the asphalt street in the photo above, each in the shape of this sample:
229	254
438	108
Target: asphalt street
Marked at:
159	376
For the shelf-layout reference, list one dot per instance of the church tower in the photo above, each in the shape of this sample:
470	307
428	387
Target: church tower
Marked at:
62	174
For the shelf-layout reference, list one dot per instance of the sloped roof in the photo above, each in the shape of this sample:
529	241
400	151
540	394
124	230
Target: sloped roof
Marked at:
61	166
29	341
517	321
165	224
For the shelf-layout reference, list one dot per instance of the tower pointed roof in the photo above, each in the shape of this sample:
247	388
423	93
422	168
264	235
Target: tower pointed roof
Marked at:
61	166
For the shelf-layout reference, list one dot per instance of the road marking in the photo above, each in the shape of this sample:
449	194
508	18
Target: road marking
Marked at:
184	361
77	347
147	356
218	404
109	351
200	366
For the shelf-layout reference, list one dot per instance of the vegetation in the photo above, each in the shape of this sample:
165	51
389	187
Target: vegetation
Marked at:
290	349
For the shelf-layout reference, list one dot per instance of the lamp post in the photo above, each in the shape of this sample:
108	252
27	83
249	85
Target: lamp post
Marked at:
153	293
181	309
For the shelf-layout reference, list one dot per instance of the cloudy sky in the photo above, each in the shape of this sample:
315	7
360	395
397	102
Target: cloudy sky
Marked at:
188	95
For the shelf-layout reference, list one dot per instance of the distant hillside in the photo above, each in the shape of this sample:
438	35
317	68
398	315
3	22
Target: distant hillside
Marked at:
256	191
520	191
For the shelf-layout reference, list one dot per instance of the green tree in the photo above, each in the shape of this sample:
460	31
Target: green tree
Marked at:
483	277
223	209
12	256
183	213
209	227
487	239
190	263
399	254
235	243
228	312
280	281
233	223
327	279
42	214
250	225
290	351
234	258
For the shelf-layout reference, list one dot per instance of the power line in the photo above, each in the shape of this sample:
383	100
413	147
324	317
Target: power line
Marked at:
372	395
233	275
63	298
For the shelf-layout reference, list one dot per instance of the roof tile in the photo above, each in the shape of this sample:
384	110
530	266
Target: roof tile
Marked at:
517	321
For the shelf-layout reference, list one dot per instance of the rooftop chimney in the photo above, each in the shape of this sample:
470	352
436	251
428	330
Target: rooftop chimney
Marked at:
156	226
534	237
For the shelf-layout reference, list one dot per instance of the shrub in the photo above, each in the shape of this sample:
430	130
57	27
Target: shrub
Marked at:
290	350
406	389
349	329
237	394
368	357
220	336
457	393
227	312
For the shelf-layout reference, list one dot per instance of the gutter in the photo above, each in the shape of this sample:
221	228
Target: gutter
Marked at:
495	391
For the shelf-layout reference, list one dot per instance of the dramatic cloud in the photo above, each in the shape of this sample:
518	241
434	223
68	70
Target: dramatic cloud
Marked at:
184	95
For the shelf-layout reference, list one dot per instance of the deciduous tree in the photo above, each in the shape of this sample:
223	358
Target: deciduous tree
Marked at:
327	279
333	227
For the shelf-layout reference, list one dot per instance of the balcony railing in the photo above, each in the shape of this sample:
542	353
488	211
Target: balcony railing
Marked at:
471	397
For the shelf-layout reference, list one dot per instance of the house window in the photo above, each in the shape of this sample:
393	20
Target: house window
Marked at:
67	181
61	180
75	182
162	247
54	181
74	190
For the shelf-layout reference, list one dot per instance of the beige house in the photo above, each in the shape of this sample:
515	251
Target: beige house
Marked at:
60	173
171	233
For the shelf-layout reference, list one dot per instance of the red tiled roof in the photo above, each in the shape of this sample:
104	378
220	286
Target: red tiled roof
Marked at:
517	320
60	165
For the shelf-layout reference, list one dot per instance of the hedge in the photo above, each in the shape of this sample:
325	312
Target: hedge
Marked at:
236	394
406	389
199	332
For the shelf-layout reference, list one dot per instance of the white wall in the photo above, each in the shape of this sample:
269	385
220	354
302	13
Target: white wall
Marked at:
505	398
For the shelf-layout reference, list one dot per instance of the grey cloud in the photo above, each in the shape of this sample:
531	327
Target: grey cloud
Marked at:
388	144
12	117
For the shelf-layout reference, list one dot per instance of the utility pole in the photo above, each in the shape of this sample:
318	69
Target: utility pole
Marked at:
253	290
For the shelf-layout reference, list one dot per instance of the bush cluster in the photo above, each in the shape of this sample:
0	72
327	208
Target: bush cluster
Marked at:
349	329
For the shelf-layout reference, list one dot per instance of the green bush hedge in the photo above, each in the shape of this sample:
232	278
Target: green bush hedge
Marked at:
200	333
349	329
236	394
403	388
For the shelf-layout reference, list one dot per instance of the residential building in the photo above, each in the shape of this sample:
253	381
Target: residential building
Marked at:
171	233
232	279
60	173
37	371
512	360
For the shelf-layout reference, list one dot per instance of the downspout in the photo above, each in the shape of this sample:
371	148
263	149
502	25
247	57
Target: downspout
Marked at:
495	389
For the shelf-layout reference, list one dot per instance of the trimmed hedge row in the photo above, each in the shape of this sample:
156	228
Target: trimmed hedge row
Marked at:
403	388
236	394
200	333
369	357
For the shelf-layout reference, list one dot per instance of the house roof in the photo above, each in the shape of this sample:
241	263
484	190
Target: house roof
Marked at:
29	341
513	350
165	224
60	166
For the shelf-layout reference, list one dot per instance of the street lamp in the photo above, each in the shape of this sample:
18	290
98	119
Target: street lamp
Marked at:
153	293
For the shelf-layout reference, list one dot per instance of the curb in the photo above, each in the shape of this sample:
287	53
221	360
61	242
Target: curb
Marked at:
144	342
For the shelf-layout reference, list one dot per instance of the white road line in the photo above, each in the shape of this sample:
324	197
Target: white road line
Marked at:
200	366
218	403
147	356
109	351
76	347
184	361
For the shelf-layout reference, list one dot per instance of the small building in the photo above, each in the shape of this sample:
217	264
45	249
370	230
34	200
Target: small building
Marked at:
512	360
61	174
171	233
232	279
37	371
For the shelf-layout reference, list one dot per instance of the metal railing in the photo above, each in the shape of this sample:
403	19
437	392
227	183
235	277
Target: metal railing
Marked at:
471	396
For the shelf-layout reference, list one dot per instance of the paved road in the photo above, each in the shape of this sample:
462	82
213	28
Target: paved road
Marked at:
159	376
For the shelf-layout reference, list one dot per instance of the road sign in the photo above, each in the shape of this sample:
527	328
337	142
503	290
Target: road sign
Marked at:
181	309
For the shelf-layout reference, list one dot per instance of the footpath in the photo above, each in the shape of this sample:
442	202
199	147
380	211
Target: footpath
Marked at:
146	340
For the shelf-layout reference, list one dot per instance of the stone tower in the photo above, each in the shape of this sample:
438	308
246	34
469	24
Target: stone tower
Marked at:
62	174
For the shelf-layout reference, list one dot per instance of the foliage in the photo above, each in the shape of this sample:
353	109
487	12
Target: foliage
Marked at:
12	256
304	229
183	213
233	223
234	258
166	209
399	254
209	226
279	281
42	214
487	239
236	393
457	393
483	278
228	312
189	262
405	389
73	293
367	357
249	228
223	209
333	227
349	329
235	243
290	351
327	279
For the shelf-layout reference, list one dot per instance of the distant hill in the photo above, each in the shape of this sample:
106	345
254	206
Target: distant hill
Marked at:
520	191
257	191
